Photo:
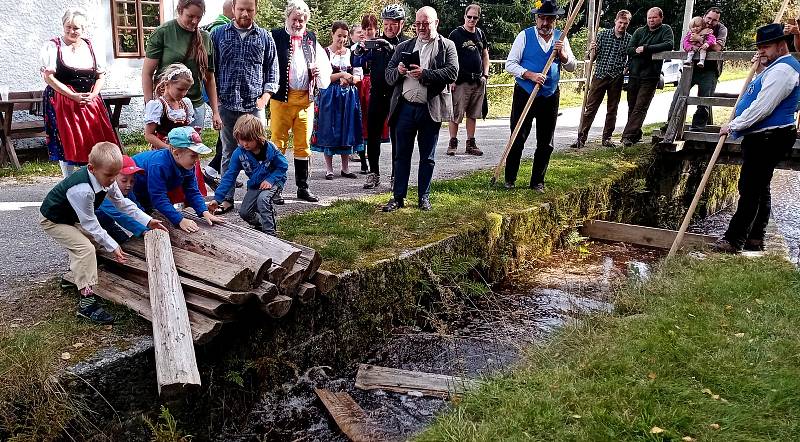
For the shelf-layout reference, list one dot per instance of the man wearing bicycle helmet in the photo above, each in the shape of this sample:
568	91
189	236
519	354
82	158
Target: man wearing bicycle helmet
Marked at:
393	17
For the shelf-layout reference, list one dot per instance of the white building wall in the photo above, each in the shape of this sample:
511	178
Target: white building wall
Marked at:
26	24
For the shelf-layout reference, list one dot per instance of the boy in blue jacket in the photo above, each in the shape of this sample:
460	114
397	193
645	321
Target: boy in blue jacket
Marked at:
265	167
173	169
111	218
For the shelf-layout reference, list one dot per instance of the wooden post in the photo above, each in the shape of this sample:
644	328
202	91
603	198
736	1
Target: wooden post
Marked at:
176	366
687	16
686	219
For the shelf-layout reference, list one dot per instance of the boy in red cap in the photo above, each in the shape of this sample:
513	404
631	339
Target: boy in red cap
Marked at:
115	222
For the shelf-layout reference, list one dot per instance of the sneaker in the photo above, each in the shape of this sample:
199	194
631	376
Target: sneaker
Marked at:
452	147
329	176
472	148
627	143
425	204
539	188
723	246
508	185
609	143
578	144
90	309
754	245
393	205
277	198
373	181
701	64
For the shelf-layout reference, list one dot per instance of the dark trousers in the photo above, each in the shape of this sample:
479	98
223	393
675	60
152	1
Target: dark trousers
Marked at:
257	209
216	162
599	88
640	94
706	81
545	110
414	121
761	152
378	111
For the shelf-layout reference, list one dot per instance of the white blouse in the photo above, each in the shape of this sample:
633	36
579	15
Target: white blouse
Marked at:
155	109
343	62
80	58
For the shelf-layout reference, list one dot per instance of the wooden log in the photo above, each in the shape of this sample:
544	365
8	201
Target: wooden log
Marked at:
211	241
135	265
278	307
325	281
276	273
306	292
350	418
266	292
373	377
643	236
309	259
262	244
291	282
176	366
111	287
228	274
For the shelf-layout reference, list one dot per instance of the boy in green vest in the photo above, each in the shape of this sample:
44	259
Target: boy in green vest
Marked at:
68	216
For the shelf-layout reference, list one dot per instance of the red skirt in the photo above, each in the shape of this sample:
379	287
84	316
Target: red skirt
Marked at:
363	95
80	127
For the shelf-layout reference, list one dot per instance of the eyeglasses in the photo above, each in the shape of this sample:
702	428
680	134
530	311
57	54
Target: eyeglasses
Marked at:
472	17
422	24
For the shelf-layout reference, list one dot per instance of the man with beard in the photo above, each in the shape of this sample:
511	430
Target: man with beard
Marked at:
526	60
291	107
380	92
247	74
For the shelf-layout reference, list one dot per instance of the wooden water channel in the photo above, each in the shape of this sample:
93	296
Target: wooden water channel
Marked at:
680	137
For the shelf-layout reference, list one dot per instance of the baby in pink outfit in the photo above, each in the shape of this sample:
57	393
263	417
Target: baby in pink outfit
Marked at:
699	38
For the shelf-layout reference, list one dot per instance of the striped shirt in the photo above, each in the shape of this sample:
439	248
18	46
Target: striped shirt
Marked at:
611	54
246	66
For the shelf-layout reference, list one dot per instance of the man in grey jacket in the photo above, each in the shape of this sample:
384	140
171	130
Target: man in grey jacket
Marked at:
420	71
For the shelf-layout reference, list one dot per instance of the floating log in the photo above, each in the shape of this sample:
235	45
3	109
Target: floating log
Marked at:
137	266
262	244
306	292
277	307
643	236
350	418
325	281
176	366
227	274
276	273
373	377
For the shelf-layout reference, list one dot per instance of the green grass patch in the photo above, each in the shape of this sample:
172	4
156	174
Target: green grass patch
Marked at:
706	349
351	233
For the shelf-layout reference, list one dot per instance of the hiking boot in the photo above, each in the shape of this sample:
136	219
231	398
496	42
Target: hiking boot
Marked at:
754	245
539	188
452	147
609	143
90	309
393	205
373	181
472	148
722	245
578	144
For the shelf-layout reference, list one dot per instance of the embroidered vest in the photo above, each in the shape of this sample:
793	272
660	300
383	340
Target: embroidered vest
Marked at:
534	59
285	50
783	115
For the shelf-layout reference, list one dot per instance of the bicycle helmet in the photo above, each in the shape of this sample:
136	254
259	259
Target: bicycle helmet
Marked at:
393	12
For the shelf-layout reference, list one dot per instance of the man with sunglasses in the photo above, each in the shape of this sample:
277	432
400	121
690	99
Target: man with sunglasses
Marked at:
469	90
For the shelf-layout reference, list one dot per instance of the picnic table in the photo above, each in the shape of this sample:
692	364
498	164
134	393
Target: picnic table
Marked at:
31	101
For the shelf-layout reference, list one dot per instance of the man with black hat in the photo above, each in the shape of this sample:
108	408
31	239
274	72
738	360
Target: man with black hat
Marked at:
765	117
526	61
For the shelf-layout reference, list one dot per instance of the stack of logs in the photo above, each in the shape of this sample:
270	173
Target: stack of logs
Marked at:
224	270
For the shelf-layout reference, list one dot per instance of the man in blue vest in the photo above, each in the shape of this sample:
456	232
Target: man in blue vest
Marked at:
765	117
526	61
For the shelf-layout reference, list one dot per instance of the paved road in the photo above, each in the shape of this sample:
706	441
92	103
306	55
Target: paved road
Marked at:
31	255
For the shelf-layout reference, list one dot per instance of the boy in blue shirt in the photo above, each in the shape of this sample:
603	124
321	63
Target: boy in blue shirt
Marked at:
170	170
112	219
265	167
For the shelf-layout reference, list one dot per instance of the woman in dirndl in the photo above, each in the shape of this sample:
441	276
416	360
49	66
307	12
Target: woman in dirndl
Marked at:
337	111
75	115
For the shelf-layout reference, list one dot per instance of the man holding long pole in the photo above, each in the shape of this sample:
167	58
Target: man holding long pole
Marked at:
526	60
765	116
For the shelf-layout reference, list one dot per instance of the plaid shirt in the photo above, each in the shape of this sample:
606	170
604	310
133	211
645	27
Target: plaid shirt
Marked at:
246	68
611	54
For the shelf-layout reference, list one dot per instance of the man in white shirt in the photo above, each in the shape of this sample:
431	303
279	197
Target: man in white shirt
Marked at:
765	116
526	61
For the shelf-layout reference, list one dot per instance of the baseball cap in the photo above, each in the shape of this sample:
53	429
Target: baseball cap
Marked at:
185	137
129	166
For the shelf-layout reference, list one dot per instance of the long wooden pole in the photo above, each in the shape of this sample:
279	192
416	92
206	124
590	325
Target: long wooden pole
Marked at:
589	66
686	219
536	88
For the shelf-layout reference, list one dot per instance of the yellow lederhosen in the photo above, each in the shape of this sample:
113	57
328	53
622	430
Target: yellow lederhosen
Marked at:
296	114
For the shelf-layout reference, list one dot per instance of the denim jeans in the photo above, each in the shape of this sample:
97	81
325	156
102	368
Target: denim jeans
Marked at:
257	209
199	116
414	122
229	143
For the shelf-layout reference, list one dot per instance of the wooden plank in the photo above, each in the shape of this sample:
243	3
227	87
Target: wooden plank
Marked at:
711	55
325	281
176	365
350	418
640	235
711	101
373	377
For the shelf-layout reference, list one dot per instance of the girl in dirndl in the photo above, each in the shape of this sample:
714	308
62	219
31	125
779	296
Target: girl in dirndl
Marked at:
171	108
75	115
337	111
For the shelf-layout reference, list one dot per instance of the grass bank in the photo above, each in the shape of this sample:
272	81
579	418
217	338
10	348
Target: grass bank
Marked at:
704	350
355	233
